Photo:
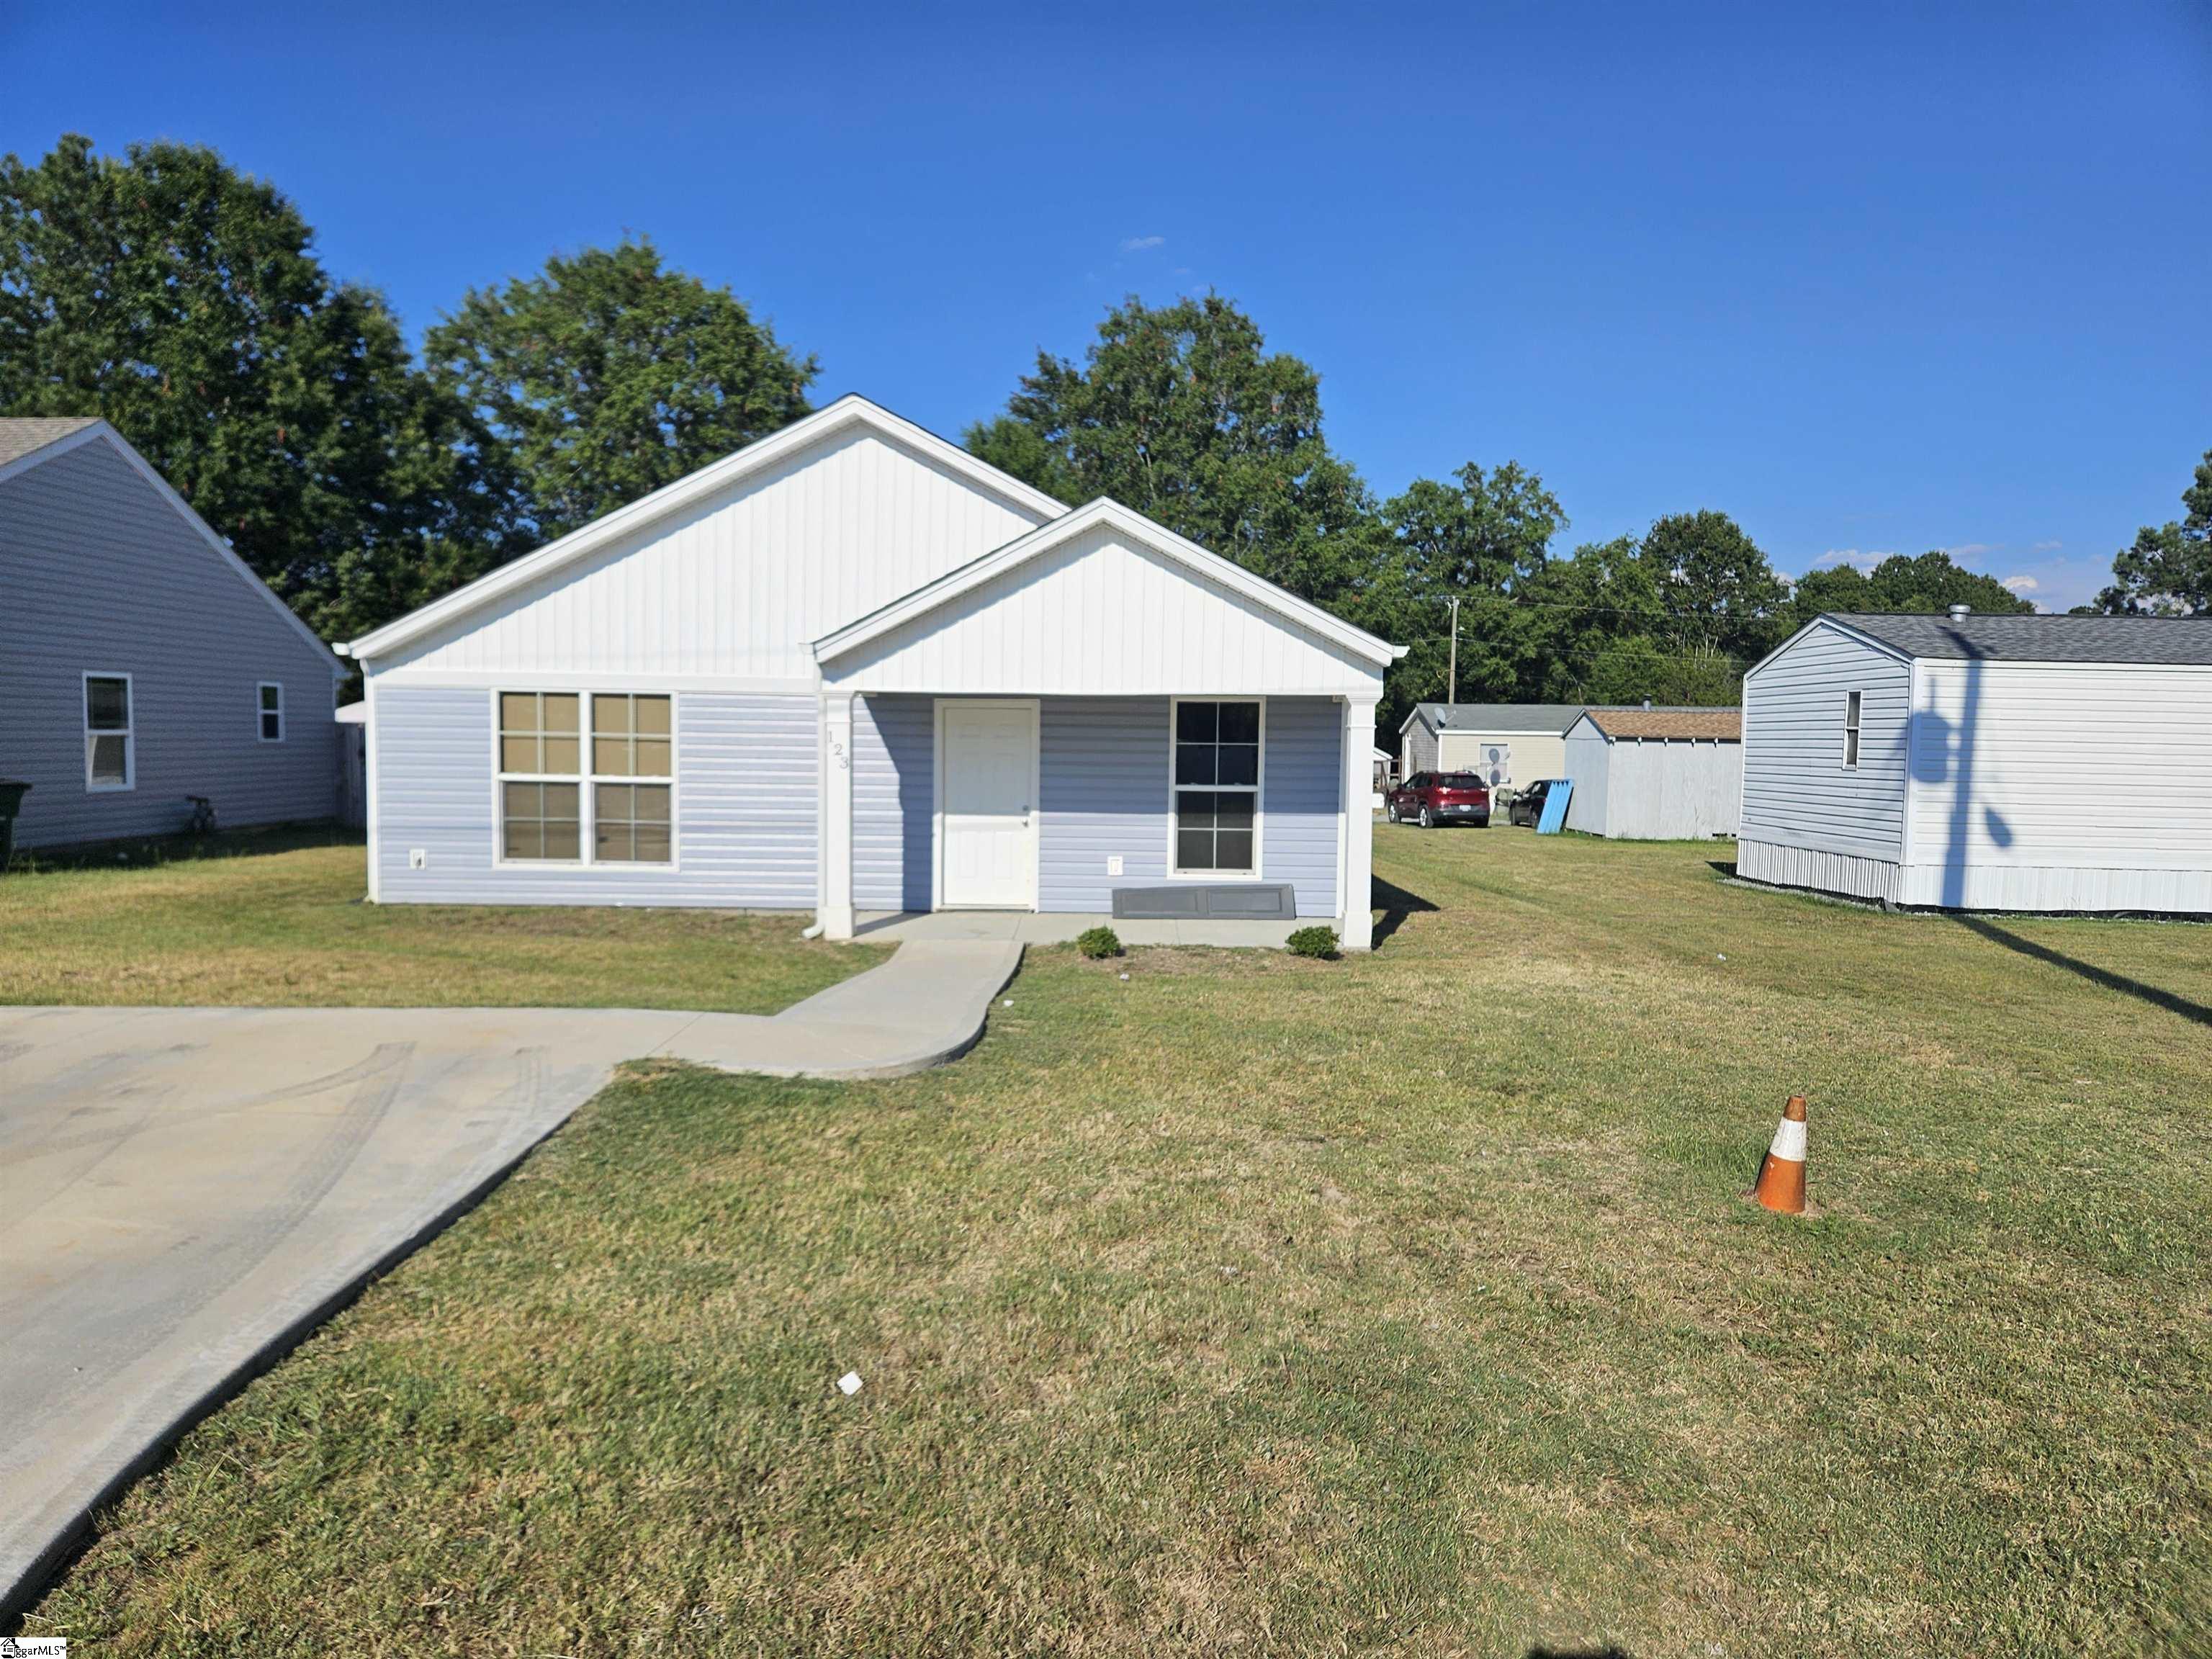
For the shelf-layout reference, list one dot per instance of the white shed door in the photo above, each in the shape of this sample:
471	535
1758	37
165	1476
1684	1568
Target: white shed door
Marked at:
989	811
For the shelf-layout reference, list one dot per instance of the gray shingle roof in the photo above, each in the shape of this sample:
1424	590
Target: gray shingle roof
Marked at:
1503	716
2174	640
20	437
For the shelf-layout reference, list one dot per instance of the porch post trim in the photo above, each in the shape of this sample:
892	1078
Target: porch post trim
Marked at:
1358	931
837	912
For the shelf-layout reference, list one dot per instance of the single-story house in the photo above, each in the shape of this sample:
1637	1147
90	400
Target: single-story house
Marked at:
2014	762
853	669
141	662
1655	774
1508	743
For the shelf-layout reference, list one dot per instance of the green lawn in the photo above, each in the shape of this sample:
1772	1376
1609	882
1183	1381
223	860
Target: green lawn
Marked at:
1252	1305
277	919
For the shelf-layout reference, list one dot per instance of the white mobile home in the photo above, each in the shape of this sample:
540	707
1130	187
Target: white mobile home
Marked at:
2019	762
1655	774
1461	736
855	670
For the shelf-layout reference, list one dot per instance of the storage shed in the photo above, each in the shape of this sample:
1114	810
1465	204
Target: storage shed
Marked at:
1655	774
2016	762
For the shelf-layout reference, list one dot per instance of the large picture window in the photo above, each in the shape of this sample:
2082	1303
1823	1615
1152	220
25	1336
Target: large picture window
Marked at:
563	798
111	747
1217	788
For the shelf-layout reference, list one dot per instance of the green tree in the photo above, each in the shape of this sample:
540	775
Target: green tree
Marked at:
610	376
1931	583
1720	594
1179	412
182	301
2167	571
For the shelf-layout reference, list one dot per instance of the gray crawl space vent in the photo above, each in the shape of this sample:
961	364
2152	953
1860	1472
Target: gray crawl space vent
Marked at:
1247	900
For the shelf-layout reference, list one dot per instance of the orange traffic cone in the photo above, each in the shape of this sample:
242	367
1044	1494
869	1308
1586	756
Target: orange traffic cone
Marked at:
1781	1185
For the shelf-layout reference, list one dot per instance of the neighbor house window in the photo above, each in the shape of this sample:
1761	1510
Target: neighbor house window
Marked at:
1850	728
272	712
1217	788
568	798
111	752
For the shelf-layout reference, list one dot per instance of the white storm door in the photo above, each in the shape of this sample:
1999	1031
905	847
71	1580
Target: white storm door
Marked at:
988	807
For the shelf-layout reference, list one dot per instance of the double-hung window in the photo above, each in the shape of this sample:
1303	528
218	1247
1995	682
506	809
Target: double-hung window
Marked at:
1217	788
1850	728
269	703
111	748
569	797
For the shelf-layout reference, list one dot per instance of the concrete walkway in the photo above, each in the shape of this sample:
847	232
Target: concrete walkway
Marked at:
186	1192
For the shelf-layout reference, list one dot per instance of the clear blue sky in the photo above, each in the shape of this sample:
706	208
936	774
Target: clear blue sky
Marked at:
1869	279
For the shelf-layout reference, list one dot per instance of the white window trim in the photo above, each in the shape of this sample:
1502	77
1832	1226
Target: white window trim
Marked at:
260	711
587	803
1259	788
129	734
1853	729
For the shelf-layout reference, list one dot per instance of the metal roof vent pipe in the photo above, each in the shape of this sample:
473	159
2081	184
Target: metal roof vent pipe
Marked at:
1961	612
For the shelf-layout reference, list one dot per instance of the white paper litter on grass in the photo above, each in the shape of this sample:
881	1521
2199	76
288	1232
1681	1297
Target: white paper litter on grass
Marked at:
850	1383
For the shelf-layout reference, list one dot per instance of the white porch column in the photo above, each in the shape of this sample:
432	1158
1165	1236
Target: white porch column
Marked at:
1358	823
836	915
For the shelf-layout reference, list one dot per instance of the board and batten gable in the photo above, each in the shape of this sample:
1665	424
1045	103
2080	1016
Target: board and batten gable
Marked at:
737	584
101	571
1808	818
1100	615
2060	787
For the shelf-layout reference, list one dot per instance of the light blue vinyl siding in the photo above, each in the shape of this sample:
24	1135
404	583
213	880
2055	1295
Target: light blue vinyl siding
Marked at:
746	789
894	785
99	572
1103	768
1300	791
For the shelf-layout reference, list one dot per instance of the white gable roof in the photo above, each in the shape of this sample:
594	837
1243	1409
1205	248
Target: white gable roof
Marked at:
1102	600
30	443
631	525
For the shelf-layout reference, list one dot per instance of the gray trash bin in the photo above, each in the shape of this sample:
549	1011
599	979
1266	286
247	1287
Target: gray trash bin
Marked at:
11	802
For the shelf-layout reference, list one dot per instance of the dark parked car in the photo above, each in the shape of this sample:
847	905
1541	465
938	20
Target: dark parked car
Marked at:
1528	806
1433	798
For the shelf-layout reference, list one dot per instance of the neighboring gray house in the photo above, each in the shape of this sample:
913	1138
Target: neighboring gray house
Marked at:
1457	736
140	661
2019	762
853	669
1655	774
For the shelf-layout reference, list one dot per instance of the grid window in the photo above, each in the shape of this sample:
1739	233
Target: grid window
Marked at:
1217	794
587	778
629	823
631	737
538	733
271	707
540	820
111	757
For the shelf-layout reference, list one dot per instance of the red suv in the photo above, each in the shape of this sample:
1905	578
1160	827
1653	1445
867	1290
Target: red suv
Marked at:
1435	797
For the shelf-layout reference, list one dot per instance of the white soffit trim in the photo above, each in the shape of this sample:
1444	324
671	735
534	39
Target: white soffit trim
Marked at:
1111	514
850	410
179	505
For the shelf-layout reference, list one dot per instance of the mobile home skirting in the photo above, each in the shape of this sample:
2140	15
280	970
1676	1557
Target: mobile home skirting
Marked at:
747	798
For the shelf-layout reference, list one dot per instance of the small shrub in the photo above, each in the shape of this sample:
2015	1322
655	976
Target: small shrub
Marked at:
1319	942
1098	942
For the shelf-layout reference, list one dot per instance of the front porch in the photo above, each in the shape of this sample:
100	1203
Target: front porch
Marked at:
1032	927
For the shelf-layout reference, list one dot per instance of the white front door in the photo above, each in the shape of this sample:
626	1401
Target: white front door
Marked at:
989	822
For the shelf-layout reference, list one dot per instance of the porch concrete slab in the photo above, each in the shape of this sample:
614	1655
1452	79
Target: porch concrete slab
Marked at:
1029	927
189	1191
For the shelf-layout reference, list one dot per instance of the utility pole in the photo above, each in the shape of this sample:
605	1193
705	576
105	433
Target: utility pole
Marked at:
1453	695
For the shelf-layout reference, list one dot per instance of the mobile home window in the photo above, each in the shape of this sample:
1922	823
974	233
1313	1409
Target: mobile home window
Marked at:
272	710
1217	788
586	779
1850	728
111	751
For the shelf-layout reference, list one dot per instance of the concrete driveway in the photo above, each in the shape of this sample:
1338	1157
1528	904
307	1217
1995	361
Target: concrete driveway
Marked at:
184	1192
